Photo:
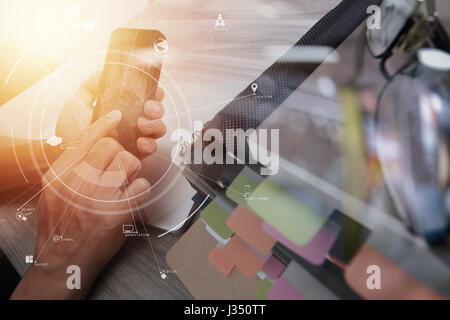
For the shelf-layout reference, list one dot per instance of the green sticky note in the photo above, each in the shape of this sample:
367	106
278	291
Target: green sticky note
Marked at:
215	217
295	220
262	289
241	187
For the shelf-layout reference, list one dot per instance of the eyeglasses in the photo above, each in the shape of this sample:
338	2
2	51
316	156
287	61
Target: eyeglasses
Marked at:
407	25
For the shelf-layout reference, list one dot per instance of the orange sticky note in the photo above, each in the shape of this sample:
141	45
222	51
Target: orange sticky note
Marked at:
248	226
220	261
243	257
394	283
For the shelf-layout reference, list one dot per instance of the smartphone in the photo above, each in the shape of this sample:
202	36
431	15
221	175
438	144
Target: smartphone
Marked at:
129	78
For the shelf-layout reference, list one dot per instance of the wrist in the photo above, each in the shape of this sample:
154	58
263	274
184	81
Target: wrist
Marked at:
41	283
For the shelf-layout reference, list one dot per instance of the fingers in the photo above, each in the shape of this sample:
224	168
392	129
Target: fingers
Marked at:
103	153
153	109
147	145
139	189
99	129
159	94
125	167
155	128
150	124
84	143
77	112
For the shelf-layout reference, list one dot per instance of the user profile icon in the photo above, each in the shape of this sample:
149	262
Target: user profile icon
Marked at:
161	45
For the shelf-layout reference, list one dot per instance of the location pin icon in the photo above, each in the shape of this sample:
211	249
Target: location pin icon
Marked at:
254	87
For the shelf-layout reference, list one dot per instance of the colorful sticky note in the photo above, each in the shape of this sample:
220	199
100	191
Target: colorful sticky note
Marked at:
295	220
410	255
244	258
273	267
283	290
394	283
220	261
315	251
215	217
216	236
189	256
262	289
248	227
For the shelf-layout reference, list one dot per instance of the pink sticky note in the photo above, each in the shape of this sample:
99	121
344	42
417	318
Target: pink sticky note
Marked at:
218	259
273	268
315	251
283	290
244	258
248	226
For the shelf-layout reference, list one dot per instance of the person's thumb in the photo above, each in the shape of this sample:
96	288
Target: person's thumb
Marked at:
99	129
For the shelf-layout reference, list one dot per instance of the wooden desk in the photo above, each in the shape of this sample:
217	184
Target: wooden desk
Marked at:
210	67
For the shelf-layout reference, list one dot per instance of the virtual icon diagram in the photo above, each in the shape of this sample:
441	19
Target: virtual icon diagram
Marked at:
128	228
282	150
161	46
21	217
220	23
254	87
54	141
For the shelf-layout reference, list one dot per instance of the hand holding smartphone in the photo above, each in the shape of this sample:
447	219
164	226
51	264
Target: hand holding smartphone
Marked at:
130	77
